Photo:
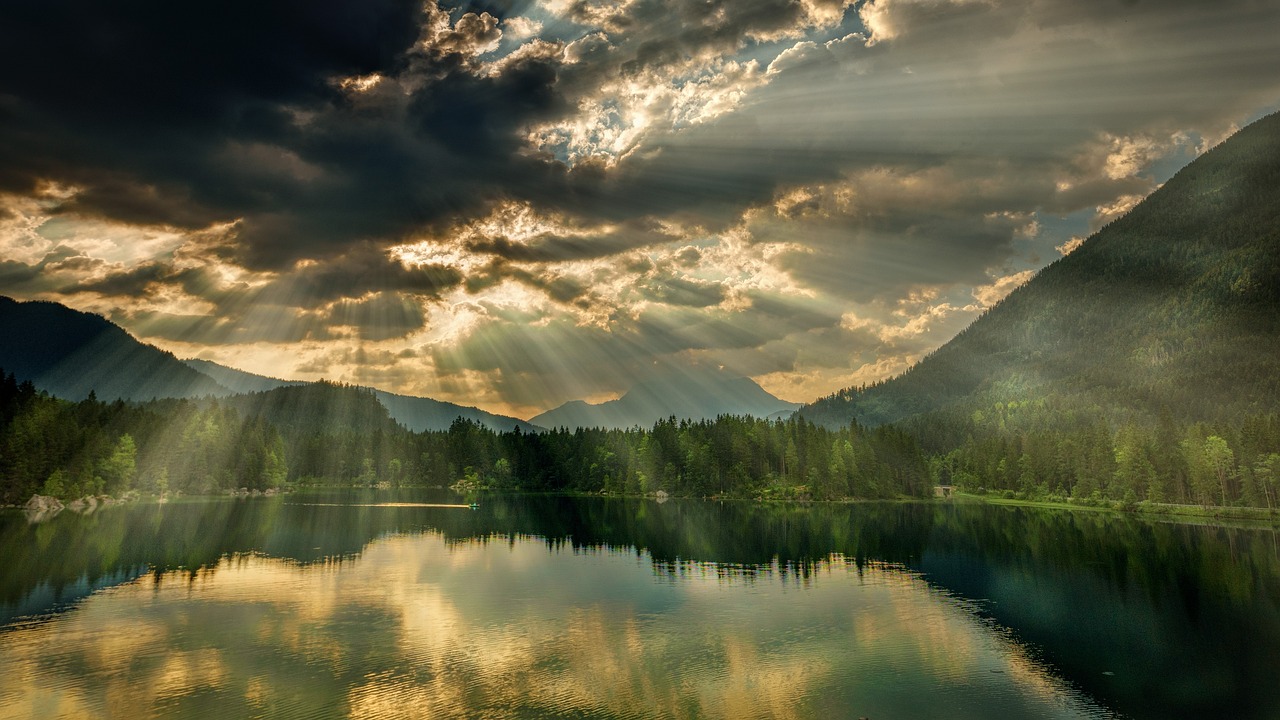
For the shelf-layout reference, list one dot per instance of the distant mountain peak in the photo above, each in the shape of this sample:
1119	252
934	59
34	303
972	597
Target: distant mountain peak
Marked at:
695	393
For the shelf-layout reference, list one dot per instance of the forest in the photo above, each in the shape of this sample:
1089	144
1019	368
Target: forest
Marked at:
1058	447
334	434
1051	448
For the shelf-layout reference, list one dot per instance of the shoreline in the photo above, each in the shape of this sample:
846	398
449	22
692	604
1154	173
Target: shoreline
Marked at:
1252	515
1206	514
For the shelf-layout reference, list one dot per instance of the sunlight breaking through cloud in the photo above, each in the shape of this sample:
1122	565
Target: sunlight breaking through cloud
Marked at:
466	194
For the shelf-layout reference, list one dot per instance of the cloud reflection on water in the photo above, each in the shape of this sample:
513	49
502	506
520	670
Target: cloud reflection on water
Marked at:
418	626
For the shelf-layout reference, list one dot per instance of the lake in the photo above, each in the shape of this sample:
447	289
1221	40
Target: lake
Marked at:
374	604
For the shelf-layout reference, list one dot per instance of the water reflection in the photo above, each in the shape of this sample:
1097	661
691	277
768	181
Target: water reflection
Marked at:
1153	620
420	626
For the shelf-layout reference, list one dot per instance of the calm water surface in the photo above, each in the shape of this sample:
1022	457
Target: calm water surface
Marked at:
354	604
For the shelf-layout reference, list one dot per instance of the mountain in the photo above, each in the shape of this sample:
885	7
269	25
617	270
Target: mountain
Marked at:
696	394
1173	310
71	353
419	413
239	381
415	413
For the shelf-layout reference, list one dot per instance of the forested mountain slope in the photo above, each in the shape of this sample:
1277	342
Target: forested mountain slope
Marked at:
420	414
1173	309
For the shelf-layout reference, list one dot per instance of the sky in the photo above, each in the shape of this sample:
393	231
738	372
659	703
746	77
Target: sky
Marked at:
513	204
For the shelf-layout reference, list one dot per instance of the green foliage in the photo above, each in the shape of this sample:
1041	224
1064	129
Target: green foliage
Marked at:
69	449
1266	473
119	468
337	434
56	485
1058	446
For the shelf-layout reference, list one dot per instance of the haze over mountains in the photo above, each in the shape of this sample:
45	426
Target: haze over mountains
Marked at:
71	353
415	413
1173	308
693	393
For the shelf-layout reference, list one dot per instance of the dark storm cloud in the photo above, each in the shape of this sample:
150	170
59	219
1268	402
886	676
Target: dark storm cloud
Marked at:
125	96
554	247
164	114
393	164
360	270
958	80
138	281
16	275
903	231
558	287
304	305
161	114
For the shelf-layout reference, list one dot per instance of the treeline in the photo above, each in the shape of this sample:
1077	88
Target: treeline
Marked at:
333	434
726	457
1056	448
73	449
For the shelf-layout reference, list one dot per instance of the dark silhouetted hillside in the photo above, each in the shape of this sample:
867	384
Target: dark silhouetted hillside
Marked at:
71	353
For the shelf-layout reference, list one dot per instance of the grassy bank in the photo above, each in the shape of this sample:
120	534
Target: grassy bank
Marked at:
1166	510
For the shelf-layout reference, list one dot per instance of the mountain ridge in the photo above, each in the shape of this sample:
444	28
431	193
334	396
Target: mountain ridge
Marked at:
71	354
685	393
413	412
1170	308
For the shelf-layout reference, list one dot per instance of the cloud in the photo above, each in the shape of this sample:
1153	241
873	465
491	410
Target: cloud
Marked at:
306	165
1070	245
674	290
378	317
271	136
989	295
260	325
540	198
